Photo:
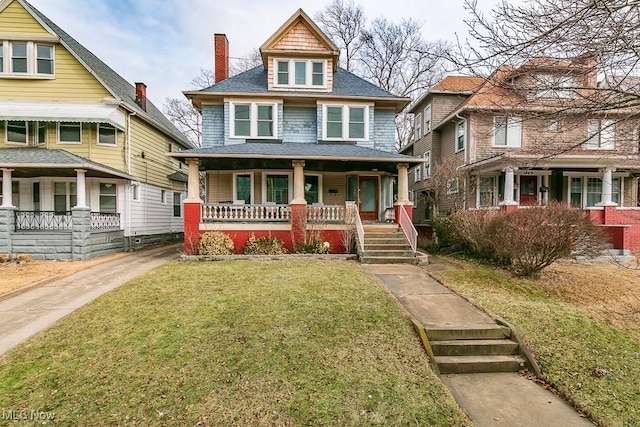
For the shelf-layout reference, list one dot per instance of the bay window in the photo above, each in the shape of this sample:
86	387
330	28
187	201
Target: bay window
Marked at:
107	135
346	122
16	132
69	133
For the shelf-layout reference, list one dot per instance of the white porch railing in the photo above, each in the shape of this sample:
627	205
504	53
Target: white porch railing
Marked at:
228	212
407	226
326	213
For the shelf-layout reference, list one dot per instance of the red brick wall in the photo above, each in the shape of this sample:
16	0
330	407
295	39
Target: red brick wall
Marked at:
627	234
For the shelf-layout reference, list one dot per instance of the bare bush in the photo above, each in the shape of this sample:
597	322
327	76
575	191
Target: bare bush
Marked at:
532	239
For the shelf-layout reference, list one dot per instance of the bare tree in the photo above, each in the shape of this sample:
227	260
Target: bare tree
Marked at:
245	62
449	187
343	21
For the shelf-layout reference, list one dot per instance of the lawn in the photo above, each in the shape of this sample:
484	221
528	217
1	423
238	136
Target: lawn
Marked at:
232	343
578	320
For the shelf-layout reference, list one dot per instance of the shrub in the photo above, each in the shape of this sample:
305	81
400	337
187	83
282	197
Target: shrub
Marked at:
215	243
311	246
265	245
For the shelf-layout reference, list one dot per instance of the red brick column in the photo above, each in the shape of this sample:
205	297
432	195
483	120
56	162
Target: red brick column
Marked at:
192	217
298	223
407	207
508	208
610	215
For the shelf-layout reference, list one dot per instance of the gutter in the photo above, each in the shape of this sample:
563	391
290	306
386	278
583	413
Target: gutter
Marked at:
409	159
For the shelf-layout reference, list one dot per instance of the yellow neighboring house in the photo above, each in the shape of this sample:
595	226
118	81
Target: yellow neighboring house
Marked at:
83	153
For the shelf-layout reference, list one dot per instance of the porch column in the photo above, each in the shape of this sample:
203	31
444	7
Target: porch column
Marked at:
545	184
298	183
81	192
193	186
403	184
7	196
607	185
509	174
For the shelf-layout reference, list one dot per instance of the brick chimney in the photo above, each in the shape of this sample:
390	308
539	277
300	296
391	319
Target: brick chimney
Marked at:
220	57
141	95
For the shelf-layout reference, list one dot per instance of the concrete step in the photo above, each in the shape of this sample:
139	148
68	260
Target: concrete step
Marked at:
488	332
395	240
387	247
388	253
474	347
387	260
384	236
380	228
477	364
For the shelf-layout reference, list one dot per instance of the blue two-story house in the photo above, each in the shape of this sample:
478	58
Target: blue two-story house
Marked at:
296	142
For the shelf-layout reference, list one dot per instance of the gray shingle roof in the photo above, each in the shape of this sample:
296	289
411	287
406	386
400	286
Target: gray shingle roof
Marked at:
254	80
297	151
118	85
40	158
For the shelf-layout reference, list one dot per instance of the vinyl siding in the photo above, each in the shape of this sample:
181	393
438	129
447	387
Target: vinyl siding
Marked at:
300	125
150	216
15	20
72	83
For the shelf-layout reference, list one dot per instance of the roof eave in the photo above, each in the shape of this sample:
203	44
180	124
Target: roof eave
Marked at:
296	157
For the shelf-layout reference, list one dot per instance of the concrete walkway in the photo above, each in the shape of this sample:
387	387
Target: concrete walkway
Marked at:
494	399
30	312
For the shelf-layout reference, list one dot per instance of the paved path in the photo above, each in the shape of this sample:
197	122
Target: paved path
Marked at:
28	313
496	399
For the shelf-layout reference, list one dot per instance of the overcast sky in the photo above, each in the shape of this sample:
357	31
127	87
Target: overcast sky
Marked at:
164	43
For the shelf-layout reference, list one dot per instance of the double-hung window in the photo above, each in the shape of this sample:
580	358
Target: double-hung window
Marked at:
177	204
277	188
40	133
601	134
461	135
346	122
427	164
243	187
507	131
69	133
487	191
26	58
418	121
16	132
300	73
64	196
107	135
252	120
417	173
108	194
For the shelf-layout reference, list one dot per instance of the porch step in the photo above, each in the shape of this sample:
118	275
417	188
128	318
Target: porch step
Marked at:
387	246
407	253
477	364
388	260
380	228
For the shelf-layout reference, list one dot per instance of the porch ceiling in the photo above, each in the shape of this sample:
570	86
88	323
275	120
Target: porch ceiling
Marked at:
563	161
207	163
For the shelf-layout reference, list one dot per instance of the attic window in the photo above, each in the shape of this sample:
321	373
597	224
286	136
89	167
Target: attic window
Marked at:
300	73
26	59
554	86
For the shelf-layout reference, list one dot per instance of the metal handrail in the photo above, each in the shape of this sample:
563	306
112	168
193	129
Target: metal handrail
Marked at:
409	230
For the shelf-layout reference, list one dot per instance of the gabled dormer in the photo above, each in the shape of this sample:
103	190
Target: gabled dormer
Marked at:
300	57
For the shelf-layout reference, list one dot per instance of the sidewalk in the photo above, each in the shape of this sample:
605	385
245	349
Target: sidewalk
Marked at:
30	312
492	399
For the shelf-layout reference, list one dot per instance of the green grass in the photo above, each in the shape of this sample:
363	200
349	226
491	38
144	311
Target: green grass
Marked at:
568	344
232	343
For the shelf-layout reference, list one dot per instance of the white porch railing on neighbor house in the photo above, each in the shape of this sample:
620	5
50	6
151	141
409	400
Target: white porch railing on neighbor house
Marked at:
105	221
229	212
326	213
407	226
43	220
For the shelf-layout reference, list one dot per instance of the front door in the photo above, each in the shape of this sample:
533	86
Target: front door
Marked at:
528	190
368	198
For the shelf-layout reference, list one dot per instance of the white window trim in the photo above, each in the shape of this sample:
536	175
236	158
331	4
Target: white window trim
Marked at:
253	120
235	187
32	59
115	144
6	133
163	197
99	194
345	122
320	187
68	142
464	140
495	190
426	117
308	70
585	178
418	122
173	204
36	140
510	121
274	172
453	186
426	165
67	194
417	173
135	191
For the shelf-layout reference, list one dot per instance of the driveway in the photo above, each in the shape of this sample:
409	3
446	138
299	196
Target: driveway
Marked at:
28	313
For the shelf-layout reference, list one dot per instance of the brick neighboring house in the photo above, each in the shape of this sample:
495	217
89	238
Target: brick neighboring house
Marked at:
511	136
83	159
294	144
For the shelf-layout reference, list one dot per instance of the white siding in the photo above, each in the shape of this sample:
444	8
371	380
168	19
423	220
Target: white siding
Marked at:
149	215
